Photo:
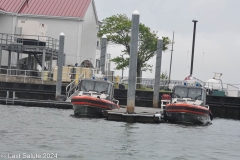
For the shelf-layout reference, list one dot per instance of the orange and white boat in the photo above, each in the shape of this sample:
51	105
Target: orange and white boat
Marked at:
93	98
188	105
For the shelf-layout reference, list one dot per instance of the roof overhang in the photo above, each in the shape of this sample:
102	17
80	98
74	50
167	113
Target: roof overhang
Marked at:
50	17
95	12
7	13
41	16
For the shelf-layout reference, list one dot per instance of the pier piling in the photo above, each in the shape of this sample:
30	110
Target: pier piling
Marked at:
60	65
157	73
0	57
9	59
103	53
133	63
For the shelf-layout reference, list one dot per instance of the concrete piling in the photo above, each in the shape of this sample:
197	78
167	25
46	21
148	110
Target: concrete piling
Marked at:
103	54
157	73
0	57
60	66
9	59
133	63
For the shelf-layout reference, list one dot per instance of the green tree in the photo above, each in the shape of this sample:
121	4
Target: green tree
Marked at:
117	28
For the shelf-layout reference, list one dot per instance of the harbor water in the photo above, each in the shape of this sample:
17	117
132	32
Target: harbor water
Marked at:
44	133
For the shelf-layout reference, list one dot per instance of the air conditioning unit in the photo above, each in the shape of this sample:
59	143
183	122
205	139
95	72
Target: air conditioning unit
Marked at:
33	30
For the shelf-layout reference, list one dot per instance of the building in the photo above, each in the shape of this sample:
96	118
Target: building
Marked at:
77	19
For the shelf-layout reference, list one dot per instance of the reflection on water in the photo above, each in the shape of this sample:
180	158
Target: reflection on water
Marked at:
40	130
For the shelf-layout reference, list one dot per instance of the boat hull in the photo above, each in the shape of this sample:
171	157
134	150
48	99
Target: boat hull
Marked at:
90	106
88	111
187	113
187	118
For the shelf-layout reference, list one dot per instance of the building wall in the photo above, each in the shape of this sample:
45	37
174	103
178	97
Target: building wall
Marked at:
6	22
89	37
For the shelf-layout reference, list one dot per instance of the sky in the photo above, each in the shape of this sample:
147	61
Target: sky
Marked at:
217	42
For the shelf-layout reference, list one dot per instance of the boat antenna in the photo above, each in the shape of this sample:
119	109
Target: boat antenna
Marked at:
193	44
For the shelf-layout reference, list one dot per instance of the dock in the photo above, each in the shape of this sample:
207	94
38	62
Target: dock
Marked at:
141	115
36	103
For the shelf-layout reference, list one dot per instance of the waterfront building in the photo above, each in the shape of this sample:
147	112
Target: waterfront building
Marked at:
77	19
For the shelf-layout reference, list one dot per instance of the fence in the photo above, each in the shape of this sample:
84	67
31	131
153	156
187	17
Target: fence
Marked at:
224	89
147	83
25	76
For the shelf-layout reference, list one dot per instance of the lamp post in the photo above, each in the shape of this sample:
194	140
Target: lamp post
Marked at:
171	59
194	32
122	69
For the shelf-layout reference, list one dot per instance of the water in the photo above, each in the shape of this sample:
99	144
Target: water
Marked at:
32	130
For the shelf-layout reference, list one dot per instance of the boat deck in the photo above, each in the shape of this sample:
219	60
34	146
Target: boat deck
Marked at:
141	115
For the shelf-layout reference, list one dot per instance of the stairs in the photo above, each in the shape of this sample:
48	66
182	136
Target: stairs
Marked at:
39	61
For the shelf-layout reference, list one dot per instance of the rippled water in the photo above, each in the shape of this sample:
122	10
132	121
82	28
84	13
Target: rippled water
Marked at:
42	130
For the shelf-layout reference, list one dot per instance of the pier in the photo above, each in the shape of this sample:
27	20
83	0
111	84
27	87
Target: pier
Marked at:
141	115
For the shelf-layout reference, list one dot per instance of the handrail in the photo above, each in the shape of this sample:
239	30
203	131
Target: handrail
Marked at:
73	87
35	74
8	39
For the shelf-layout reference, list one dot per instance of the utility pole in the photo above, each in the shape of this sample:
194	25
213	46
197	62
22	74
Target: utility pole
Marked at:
171	59
193	44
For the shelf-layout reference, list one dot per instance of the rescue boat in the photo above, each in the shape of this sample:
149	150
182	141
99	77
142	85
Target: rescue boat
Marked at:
188	105
93	98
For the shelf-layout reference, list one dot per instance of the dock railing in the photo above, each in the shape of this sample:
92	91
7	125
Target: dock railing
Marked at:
33	76
147	84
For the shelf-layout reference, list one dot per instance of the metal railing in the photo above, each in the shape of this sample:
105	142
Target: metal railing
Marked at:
25	75
30	40
73	87
232	90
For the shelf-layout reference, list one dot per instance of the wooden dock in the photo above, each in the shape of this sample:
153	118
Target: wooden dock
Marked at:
141	115
36	103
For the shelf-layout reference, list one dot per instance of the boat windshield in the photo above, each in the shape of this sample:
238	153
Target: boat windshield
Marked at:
99	87
193	93
181	92
87	85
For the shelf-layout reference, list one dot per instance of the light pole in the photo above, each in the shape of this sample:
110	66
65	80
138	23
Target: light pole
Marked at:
193	44
171	59
122	69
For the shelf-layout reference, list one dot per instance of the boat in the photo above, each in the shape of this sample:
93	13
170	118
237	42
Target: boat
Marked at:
94	96
188	105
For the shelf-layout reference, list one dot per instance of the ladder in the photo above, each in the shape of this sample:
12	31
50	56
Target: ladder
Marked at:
10	100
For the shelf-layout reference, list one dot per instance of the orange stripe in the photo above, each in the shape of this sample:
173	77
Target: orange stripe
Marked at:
92	98
186	111
186	105
90	104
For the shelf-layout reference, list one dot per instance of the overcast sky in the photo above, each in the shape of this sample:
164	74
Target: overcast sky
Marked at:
217	34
